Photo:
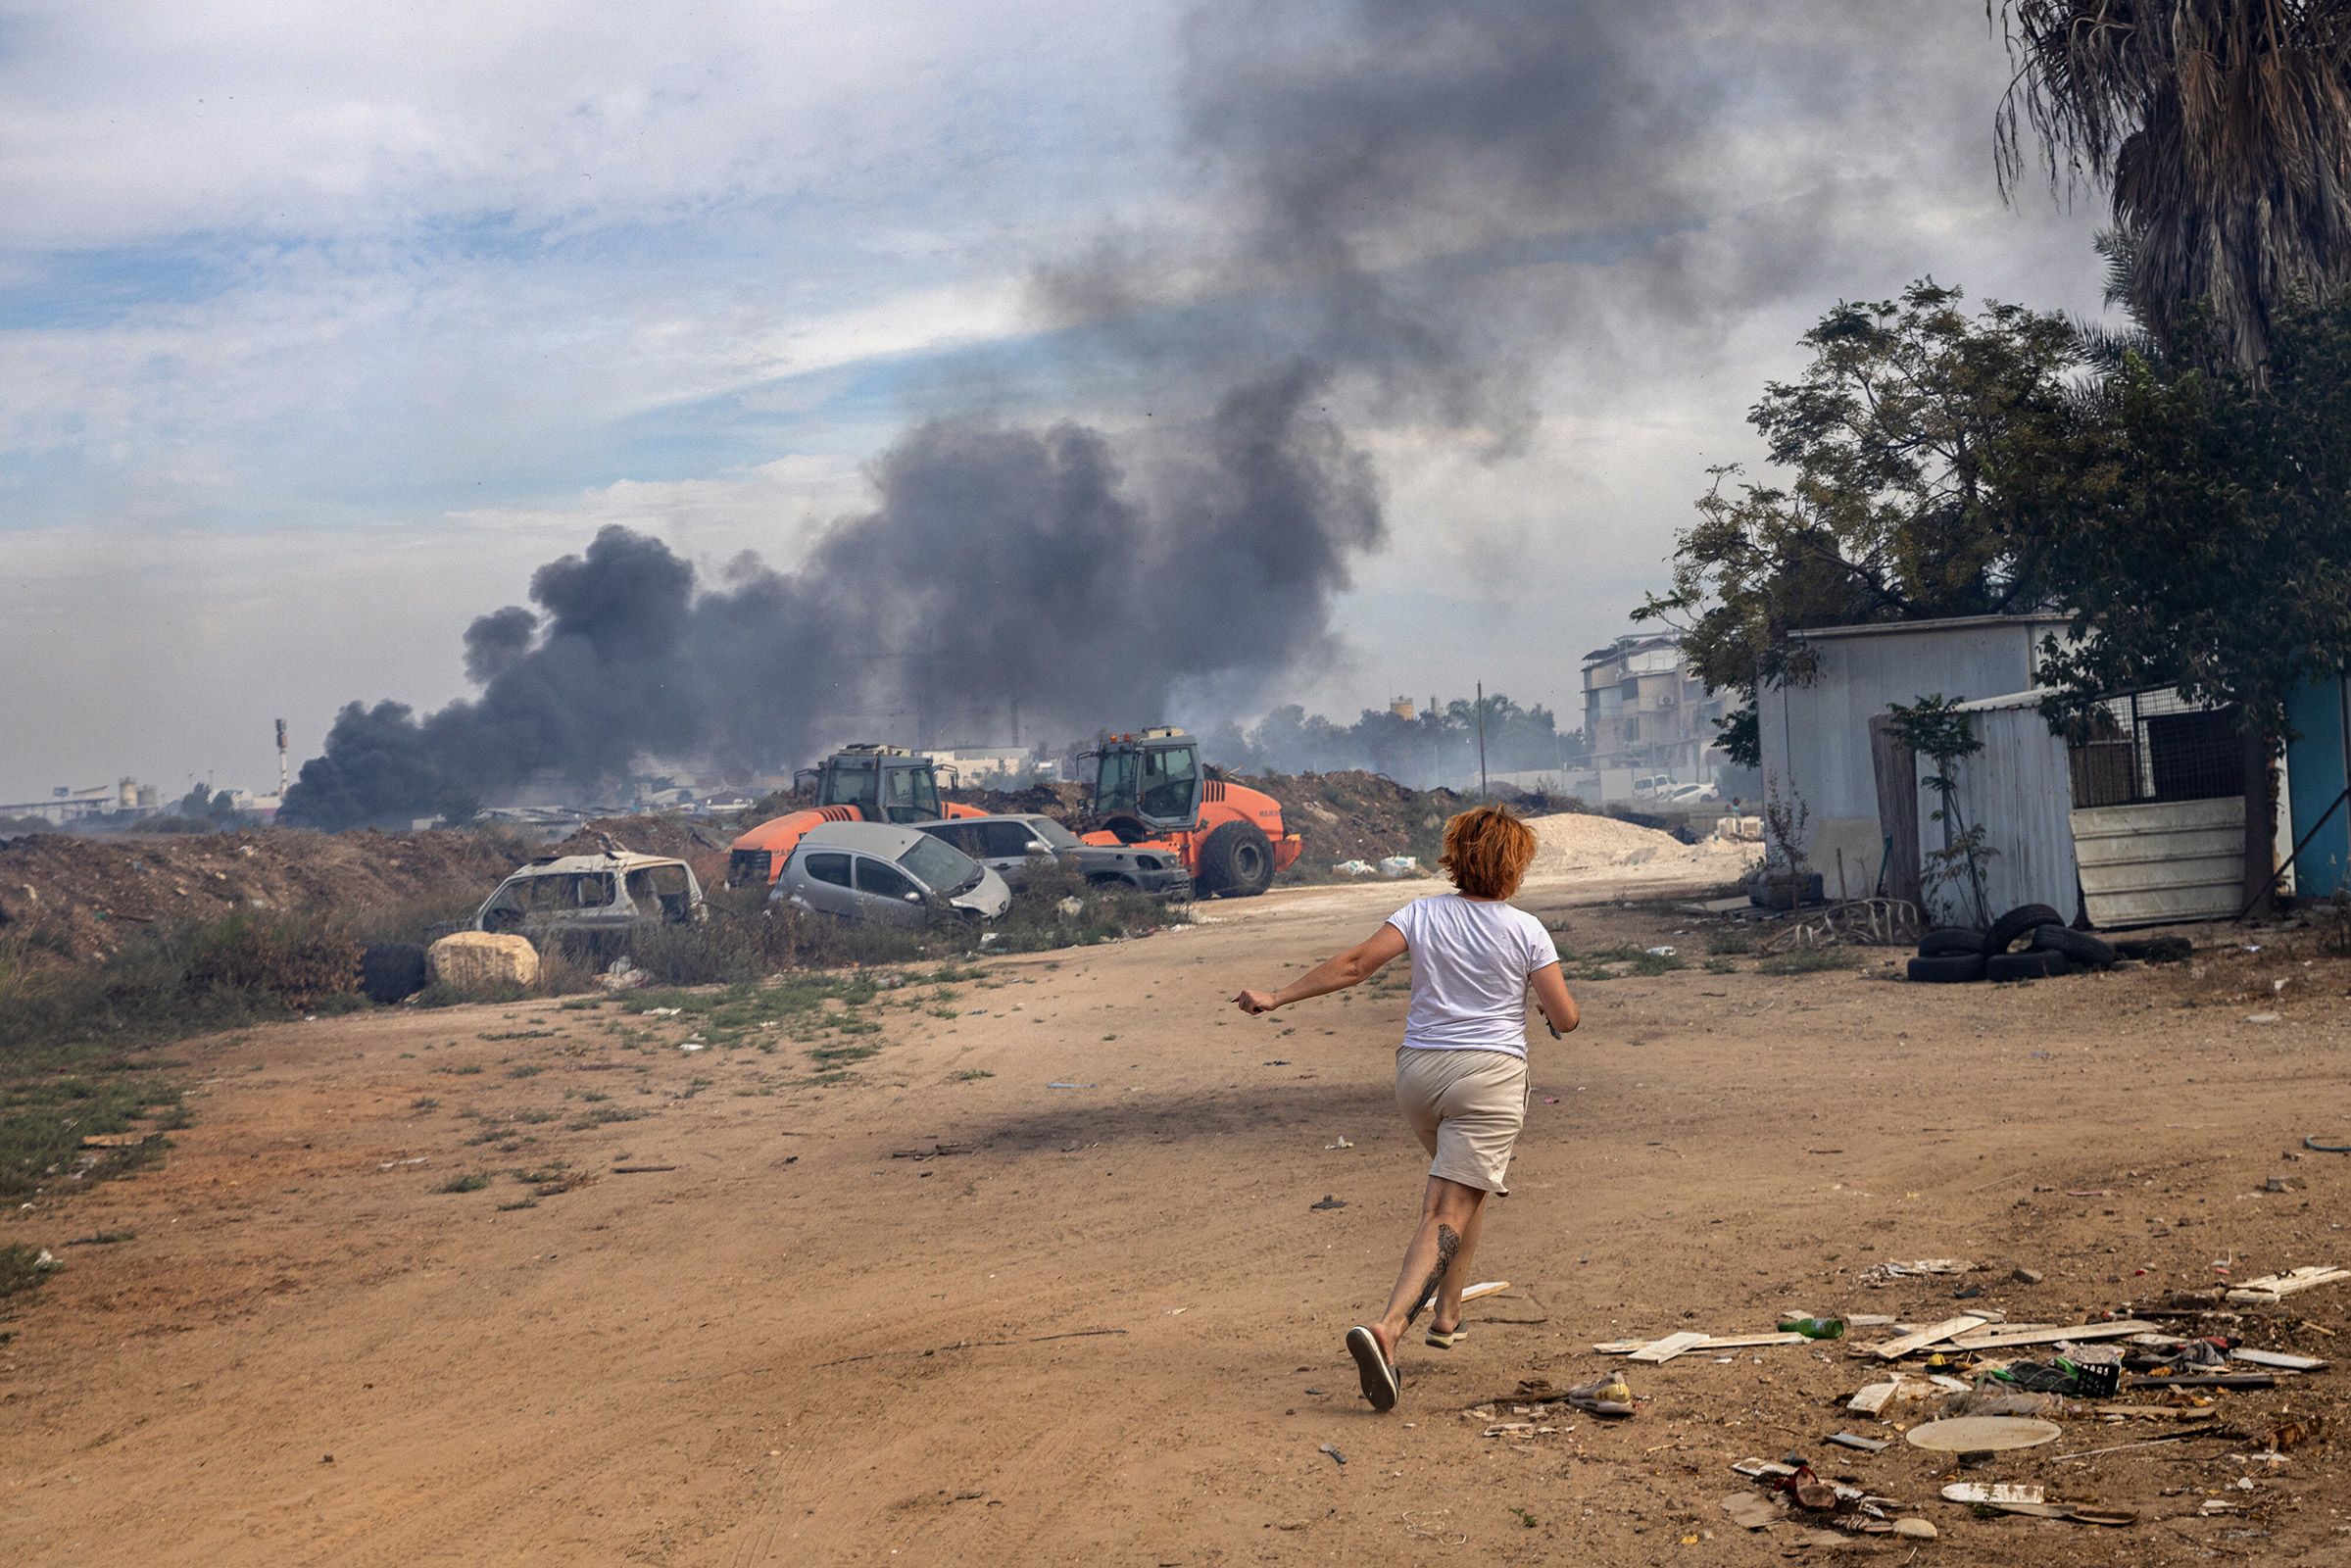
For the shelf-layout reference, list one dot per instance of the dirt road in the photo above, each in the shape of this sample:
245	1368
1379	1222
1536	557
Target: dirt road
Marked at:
1111	1331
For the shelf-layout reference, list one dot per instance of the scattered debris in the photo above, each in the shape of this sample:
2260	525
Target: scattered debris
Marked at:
1341	1144
1982	1434
1888	1273
1334	1454
2025	1276
932	1152
1985	1493
1328	1201
1895	1349
2271	1288
1072	1086
1851	1440
2215	1429
640	1170
1667	1349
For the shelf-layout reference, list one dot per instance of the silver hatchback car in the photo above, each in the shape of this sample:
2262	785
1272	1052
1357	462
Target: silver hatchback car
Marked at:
891	875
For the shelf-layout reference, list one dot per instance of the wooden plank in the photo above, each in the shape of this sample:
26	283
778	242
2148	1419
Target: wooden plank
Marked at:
1873	1398
2279	1359
1748	1342
1726	1341
1935	1333
1483	1288
1894	767
2275	1287
2005	1339
1667	1349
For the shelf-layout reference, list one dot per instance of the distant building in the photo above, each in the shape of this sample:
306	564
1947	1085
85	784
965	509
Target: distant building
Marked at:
1648	719
1401	708
126	799
989	766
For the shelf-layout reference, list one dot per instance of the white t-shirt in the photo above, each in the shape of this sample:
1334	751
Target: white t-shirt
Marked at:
1470	963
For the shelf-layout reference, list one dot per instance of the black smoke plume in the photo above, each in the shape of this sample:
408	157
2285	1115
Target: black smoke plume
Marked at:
1409	202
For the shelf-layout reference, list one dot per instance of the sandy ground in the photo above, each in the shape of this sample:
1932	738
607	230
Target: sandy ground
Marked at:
1110	1332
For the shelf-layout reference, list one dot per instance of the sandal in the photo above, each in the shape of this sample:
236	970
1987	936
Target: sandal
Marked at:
1380	1386
1445	1340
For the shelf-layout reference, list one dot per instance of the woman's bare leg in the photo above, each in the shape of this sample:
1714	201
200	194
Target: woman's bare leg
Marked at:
1449	1214
1446	1315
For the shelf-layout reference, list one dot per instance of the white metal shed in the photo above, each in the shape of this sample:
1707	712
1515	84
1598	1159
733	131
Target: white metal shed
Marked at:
1815	736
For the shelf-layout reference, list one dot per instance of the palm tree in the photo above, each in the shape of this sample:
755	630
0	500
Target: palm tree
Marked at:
2222	130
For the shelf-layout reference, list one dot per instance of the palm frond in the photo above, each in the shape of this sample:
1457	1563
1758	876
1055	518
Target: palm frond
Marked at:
2222	131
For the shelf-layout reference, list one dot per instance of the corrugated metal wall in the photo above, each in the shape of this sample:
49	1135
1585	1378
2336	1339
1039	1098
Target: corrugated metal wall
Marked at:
1816	740
2020	790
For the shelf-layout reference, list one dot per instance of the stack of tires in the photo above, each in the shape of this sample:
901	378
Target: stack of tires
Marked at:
1950	955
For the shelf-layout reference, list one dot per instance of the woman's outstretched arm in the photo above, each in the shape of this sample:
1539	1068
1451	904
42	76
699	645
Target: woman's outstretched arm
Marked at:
1551	994
1353	967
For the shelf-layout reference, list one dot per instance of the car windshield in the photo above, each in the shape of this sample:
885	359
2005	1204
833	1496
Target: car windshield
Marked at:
1055	834
938	866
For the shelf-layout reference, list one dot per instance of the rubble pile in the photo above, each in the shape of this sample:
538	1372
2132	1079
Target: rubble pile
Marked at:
1356	815
86	897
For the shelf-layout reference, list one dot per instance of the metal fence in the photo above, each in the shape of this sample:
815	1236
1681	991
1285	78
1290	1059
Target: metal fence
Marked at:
2157	746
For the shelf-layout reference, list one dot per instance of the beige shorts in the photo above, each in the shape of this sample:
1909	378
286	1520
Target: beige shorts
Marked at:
1466	1108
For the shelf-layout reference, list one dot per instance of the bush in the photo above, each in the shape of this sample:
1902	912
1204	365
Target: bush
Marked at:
20	1269
296	962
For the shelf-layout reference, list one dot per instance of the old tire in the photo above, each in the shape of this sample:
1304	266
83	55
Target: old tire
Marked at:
391	972
1235	862
2018	923
2082	950
1951	941
1948	970
2039	964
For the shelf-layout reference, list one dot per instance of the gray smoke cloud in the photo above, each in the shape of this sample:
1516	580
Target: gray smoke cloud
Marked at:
1408	207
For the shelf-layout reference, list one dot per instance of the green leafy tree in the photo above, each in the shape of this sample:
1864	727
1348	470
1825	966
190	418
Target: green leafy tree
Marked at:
1923	451
2222	131
2211	545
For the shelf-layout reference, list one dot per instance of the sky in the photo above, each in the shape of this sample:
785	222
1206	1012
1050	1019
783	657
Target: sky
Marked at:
322	326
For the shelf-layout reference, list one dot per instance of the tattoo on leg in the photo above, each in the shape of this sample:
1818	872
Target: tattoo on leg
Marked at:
1448	1241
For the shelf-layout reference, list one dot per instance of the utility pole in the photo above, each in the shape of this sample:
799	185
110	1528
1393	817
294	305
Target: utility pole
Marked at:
282	760
1016	722
1484	794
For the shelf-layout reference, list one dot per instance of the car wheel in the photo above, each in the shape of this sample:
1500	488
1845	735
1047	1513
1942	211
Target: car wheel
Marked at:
391	972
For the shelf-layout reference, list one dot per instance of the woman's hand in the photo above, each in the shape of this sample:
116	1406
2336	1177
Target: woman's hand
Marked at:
1254	1003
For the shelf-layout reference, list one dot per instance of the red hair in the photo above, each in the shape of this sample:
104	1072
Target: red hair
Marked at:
1487	852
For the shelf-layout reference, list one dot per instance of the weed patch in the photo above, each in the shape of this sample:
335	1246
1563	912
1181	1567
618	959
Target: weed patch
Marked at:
21	1270
1808	960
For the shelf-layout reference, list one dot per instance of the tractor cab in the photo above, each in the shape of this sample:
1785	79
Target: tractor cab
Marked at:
883	783
1155	777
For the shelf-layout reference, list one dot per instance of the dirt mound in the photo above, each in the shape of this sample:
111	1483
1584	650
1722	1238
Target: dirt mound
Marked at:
88	896
1356	815
1572	842
1062	801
